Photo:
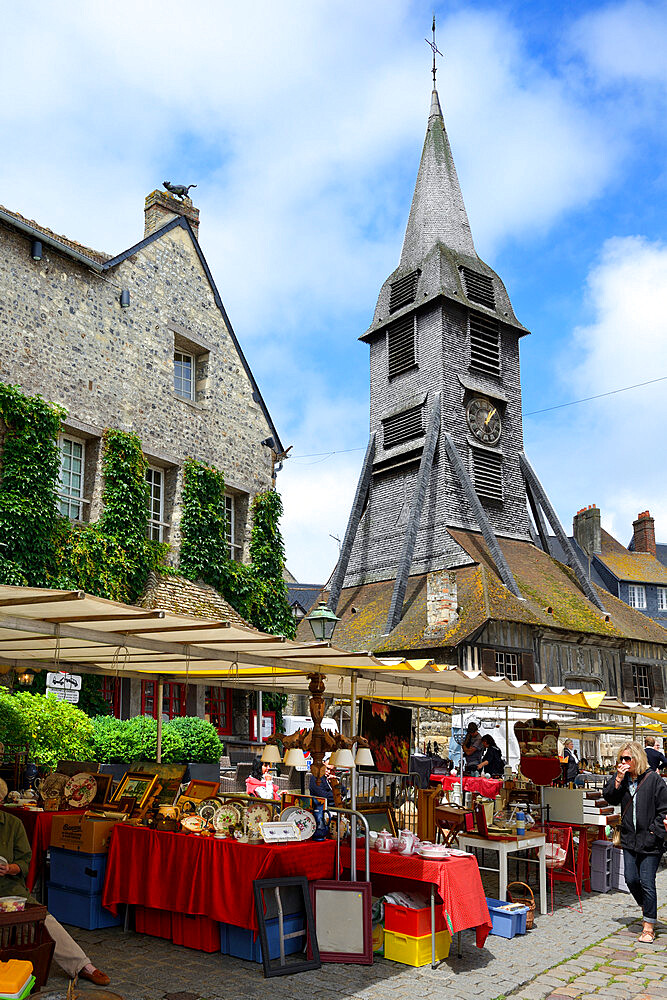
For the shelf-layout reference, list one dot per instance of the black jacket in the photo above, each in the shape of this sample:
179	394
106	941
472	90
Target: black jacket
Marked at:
648	837
572	765
655	758
495	760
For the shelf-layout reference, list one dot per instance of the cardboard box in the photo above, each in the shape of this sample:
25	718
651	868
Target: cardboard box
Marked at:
81	833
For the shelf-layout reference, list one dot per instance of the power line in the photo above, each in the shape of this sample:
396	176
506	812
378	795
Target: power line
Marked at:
531	413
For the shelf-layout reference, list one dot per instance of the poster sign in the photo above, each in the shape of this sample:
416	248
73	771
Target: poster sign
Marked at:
388	729
66	687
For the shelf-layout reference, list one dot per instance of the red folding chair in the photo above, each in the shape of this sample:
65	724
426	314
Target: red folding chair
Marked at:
560	860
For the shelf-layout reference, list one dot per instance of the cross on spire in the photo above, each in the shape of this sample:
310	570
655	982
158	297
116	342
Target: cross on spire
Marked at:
434	48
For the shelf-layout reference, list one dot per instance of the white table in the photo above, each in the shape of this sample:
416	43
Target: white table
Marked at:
468	841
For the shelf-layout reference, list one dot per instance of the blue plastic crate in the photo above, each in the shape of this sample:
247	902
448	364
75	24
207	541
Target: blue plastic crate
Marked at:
81	909
505	923
76	870
242	942
224	939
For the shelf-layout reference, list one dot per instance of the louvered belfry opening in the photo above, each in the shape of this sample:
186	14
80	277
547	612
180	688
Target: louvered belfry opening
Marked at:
403	291
485	344
487	475
479	287
403	426
401	345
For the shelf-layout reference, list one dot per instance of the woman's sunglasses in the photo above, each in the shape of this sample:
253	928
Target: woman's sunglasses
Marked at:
626	760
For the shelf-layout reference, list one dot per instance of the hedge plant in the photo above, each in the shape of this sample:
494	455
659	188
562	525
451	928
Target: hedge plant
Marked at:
201	742
52	730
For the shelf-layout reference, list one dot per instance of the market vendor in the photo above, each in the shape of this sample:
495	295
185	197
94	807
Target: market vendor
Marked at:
472	748
15	857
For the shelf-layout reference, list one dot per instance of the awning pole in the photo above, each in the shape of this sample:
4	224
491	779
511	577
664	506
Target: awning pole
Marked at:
259	717
160	698
507	732
353	776
416	732
634	726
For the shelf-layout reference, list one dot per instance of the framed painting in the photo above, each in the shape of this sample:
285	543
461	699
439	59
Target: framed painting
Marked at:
202	789
379	817
388	729
135	784
104	786
282	899
301	801
343	921
170	777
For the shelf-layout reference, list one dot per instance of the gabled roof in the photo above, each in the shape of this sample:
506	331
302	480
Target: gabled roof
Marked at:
103	262
304	594
633	567
180	596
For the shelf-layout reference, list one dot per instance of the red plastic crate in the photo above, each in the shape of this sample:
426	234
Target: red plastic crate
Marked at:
148	920
414	923
195	932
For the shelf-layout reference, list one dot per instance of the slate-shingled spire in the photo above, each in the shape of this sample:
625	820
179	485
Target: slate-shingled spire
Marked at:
437	214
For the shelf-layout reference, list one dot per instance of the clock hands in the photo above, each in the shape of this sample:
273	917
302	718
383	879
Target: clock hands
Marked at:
492	413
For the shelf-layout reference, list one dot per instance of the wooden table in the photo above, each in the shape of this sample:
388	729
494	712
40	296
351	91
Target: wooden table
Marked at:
504	846
453	817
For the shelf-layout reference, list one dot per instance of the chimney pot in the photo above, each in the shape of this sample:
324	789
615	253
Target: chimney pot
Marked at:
644	533
161	207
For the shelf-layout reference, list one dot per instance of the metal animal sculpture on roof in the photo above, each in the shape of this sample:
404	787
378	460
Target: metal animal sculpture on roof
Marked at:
178	189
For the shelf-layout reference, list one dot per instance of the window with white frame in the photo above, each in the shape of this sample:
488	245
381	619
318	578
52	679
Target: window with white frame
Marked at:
230	528
641	682
184	375
70	486
507	665
156	521
662	598
637	595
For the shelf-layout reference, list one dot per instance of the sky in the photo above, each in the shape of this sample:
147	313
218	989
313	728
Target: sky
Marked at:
302	125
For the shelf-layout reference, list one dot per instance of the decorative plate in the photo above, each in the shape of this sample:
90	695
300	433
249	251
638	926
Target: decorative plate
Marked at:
208	808
53	786
193	824
256	813
80	790
304	820
227	816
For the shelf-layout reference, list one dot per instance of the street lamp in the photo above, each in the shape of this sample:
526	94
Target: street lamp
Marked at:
323	622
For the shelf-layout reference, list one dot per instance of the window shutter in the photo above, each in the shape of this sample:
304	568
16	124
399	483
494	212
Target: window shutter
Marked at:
489	661
479	287
485	344
627	682
528	667
658	686
403	291
401	345
487	475
402	427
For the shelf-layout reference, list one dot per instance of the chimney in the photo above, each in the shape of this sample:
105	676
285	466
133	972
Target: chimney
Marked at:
161	207
644	529
441	602
586	529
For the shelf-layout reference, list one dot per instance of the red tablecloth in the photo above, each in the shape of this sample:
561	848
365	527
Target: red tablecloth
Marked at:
490	787
457	879
203	876
38	828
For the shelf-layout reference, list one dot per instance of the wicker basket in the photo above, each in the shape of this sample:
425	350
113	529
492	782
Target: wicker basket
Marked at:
525	900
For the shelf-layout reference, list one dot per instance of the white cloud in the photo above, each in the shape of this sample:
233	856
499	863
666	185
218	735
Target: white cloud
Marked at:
625	41
611	451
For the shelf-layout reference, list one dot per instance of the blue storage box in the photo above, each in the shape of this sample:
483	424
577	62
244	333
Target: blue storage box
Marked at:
81	909
83	872
242	942
506	923
224	939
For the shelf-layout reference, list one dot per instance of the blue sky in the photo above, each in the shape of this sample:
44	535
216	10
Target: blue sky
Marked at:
302	124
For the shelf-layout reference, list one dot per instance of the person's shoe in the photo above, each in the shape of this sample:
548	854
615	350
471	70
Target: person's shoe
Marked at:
96	976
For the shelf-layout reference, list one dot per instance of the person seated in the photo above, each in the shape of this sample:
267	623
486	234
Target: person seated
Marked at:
260	782
16	855
320	788
492	761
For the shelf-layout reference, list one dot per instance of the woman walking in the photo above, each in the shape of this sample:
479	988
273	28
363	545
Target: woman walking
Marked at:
642	795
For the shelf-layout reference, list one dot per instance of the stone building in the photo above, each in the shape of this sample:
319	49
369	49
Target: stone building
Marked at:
138	341
447	551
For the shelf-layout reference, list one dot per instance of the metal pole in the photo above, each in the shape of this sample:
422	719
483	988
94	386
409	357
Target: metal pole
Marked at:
160	698
507	732
634	726
417	731
259	716
353	777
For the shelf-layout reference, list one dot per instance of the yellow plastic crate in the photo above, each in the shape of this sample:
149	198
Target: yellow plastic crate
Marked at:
415	950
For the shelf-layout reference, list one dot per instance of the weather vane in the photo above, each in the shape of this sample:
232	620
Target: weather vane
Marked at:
434	48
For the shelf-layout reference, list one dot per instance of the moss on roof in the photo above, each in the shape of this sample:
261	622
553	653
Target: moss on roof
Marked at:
635	567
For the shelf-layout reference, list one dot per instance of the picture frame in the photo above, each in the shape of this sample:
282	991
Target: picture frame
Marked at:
202	789
72	767
104	788
243	799
342	913
306	802
379	817
134	784
279	833
170	777
269	899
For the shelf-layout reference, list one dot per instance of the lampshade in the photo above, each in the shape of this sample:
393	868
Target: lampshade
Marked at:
295	758
344	758
331	761
364	758
271	754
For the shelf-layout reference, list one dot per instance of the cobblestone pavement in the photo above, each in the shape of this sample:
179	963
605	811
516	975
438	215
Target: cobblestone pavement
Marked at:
566	956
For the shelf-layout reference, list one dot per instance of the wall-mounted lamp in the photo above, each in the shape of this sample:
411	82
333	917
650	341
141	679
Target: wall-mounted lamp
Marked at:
26	677
36	250
125	299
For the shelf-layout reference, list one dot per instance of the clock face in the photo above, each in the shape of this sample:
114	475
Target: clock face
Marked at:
484	420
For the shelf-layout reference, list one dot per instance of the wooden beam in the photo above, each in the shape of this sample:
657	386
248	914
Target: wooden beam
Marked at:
416	508
17	602
360	496
77	619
